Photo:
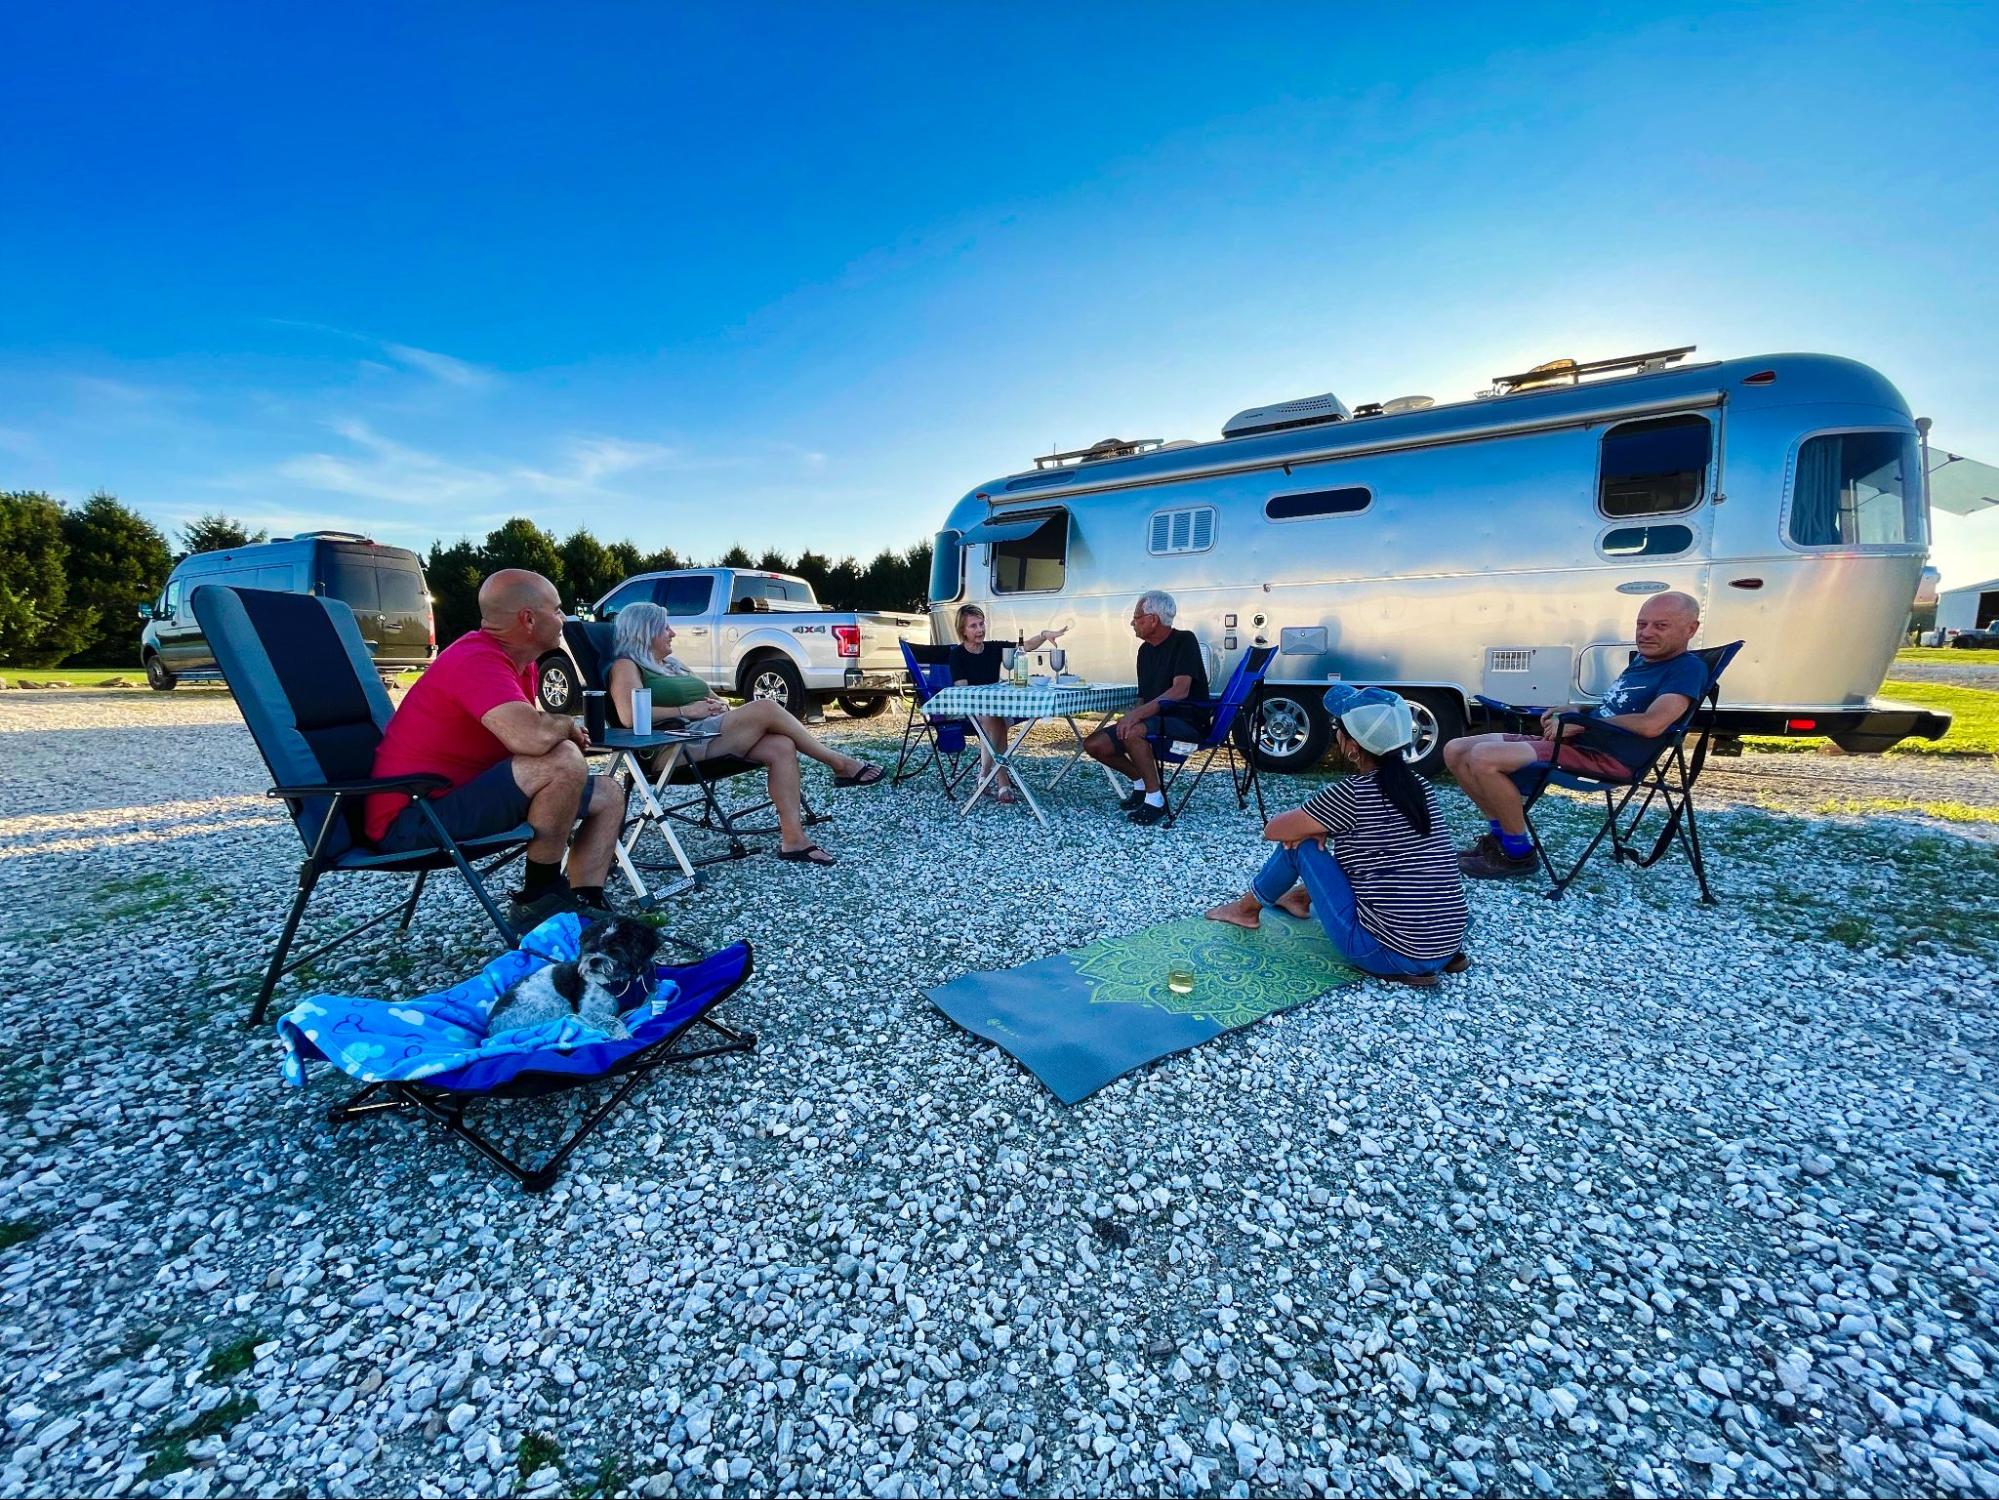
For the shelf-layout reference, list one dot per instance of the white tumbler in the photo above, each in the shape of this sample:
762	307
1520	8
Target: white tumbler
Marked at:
642	710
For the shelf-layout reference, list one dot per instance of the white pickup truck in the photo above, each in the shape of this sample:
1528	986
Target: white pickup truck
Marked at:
751	634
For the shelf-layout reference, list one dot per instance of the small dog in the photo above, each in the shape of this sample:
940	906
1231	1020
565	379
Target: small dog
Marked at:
611	955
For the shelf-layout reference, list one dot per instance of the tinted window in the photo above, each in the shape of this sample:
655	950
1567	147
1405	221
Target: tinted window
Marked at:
402	590
1036	563
1299	507
1654	467
1647	541
171	603
1853	489
686	596
638	591
351	580
947	566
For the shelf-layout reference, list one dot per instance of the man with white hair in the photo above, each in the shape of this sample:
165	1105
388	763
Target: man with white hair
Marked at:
1647	700
1171	670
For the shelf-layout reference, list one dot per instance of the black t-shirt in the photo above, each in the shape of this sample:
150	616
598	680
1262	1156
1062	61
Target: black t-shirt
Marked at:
983	669
1179	655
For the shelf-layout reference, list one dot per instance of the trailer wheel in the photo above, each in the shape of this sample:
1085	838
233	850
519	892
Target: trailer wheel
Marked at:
862	705
1440	718
1291	729
555	683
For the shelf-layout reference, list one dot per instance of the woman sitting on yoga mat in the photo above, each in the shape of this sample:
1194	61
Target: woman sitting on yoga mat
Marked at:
761	730
1387	892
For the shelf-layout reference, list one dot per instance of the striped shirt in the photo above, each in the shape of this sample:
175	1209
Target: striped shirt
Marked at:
1406	887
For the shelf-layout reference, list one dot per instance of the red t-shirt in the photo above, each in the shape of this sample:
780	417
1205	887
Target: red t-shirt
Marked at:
436	729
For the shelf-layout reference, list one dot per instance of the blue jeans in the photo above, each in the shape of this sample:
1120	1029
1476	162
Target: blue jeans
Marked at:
1333	905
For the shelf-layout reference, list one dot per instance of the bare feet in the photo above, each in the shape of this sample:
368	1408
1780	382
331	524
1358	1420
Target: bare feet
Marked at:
1297	901
1242	912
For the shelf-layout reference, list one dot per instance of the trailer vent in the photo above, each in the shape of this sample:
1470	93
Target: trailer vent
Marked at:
1189	530
1505	660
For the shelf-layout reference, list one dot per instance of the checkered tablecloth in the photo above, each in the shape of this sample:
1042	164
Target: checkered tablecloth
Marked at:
1002	701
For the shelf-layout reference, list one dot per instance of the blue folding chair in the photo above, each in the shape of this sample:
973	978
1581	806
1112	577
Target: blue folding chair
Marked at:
315	705
926	739
1223	733
1666	775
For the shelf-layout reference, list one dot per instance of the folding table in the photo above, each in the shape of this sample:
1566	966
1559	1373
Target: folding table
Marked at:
624	746
1026	707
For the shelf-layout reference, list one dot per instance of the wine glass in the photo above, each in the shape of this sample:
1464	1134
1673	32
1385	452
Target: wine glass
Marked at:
1058	659
1008	655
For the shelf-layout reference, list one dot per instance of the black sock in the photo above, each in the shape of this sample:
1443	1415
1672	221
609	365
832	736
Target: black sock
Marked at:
589	895
540	877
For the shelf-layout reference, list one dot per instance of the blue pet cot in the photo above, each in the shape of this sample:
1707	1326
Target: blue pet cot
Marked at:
432	1054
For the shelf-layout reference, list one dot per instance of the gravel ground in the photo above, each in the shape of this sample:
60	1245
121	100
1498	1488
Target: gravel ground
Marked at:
1658	1199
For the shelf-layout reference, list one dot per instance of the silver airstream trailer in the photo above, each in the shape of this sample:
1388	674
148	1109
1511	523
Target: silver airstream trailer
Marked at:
1500	545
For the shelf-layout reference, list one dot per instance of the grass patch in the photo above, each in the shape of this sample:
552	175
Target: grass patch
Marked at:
537	1452
605	1482
1943	811
19	1232
1974	712
76	676
171	1456
146	895
1949	655
233	1358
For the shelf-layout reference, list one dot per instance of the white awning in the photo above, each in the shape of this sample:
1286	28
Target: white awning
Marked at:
1962	486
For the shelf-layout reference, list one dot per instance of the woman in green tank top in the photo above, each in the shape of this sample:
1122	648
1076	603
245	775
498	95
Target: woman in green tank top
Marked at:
761	731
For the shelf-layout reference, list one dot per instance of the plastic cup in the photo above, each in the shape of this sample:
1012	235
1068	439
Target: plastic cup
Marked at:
1180	979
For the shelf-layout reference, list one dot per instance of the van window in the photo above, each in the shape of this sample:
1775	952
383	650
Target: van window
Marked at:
1036	563
170	602
402	590
686	596
1189	529
1342	502
1654	467
1646	541
947	567
352	581
638	591
1854	489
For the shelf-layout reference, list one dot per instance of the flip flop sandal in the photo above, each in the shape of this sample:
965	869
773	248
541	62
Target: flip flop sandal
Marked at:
1005	797
806	856
868	775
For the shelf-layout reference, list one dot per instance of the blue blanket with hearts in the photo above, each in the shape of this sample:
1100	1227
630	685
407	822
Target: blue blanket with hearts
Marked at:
441	1038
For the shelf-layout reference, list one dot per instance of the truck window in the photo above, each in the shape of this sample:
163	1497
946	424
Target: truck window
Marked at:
1036	563
352	580
1654	467
638	591
1852	489
686	596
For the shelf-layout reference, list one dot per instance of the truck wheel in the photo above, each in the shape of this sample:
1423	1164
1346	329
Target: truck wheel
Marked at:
1291	729
158	678
1440	718
862	705
775	678
555	683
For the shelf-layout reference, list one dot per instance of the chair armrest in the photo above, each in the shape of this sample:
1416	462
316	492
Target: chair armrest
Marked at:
1501	706
411	784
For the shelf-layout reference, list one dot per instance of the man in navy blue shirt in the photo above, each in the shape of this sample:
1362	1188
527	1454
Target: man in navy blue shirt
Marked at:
1647	700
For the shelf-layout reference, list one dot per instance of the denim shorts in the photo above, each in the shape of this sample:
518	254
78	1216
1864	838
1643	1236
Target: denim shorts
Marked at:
491	802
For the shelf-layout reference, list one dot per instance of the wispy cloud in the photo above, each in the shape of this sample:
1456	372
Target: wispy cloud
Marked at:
441	367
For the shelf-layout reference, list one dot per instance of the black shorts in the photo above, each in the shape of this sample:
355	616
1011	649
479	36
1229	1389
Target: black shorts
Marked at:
491	802
1167	728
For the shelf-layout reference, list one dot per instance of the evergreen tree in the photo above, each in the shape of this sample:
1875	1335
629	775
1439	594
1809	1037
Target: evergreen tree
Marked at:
217	533
625	560
736	557
118	560
38	624
774	562
588	569
454	574
666	560
519	543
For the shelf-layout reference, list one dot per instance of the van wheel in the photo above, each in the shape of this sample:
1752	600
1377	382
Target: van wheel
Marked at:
1440	718
1291	729
158	678
777	679
555	683
862	705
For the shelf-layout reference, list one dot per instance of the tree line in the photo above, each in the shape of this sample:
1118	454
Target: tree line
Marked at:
72	577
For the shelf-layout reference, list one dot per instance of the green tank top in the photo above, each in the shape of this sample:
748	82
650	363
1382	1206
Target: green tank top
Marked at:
671	689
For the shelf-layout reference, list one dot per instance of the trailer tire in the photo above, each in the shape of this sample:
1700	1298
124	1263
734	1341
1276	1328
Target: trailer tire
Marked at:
158	678
1290	729
862	705
773	676
555	683
1440	718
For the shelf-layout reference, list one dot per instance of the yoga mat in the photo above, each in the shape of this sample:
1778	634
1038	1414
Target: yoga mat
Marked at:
1080	1019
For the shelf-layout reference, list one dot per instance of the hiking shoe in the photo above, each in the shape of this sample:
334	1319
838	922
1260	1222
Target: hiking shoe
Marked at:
523	915
1459	962
1147	813
1131	802
1496	864
1485	843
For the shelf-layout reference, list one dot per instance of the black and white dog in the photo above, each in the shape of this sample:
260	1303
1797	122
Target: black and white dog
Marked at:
610	956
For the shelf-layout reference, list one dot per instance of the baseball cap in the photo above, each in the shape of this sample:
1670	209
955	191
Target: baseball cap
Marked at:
1377	720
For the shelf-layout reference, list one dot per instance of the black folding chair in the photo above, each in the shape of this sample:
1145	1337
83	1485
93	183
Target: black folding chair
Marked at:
1221	738
590	646
927	739
315	705
1666	777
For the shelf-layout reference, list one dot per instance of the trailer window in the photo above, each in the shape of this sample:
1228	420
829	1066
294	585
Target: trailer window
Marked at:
1646	541
947	567
1655	467
1189	529
1036	563
1301	507
1853	489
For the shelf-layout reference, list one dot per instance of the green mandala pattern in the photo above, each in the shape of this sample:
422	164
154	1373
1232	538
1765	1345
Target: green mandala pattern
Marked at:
1239	976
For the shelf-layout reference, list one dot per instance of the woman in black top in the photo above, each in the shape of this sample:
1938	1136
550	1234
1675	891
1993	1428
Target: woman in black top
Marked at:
975	662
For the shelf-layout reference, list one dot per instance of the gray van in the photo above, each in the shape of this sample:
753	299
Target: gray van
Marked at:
384	586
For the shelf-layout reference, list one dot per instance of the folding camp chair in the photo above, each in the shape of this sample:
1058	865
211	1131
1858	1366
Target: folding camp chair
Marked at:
590	647
316	707
926	740
1666	777
1220	739
329	1028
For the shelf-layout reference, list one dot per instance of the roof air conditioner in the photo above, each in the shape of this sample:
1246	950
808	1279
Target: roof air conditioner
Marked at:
1308	411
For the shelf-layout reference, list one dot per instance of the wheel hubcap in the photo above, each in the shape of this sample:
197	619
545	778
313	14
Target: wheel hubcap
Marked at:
1426	731
555	685
770	685
1285	727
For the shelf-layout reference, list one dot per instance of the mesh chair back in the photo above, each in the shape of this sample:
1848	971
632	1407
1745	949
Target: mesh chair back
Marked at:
1243	682
308	690
929	668
591	644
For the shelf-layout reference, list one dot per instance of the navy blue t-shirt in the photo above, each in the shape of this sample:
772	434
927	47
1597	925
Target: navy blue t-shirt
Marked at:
1641	685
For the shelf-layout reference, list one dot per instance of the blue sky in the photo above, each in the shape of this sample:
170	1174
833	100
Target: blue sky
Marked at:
802	275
